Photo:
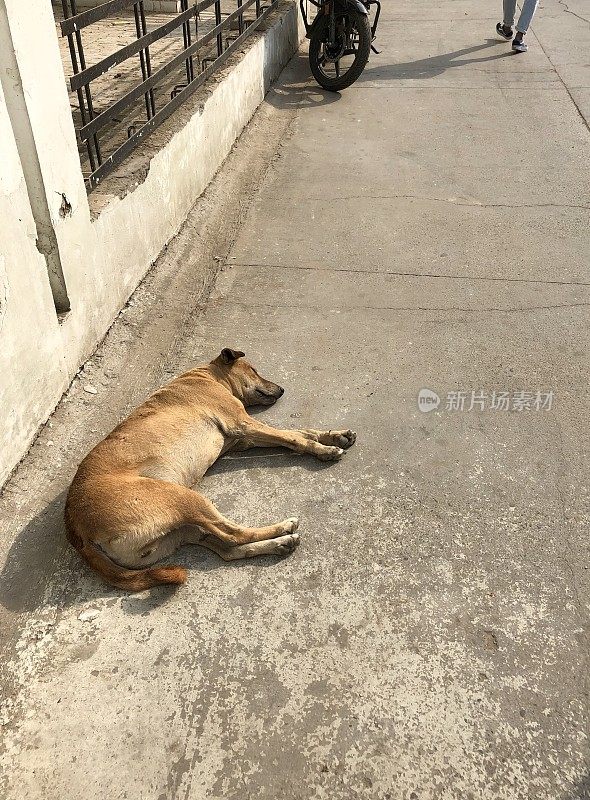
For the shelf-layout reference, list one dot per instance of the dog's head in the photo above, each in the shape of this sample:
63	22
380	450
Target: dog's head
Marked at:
245	383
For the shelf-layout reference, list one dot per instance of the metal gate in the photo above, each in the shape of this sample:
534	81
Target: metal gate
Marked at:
206	33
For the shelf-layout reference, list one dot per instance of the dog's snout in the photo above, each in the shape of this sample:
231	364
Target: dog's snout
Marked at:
281	391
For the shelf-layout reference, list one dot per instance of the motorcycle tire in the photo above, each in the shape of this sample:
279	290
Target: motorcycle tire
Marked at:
317	40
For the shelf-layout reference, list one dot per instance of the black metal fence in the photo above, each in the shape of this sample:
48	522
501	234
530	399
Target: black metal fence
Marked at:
172	55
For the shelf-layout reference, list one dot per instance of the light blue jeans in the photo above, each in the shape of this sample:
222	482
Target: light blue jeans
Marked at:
526	15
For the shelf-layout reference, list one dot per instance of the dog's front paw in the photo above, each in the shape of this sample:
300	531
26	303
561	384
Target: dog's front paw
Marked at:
345	439
286	544
330	453
290	525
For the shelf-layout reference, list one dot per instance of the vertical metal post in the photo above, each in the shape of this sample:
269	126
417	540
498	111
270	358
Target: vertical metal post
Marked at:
240	19
197	38
148	63
79	63
186	35
141	29
218	22
87	90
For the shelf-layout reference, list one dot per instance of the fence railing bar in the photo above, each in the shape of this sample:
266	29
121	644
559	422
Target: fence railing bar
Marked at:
102	66
123	151
209	51
100	120
203	5
84	18
225	24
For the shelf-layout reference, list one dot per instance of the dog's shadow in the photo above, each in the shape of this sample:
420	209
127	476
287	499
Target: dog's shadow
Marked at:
265	458
42	571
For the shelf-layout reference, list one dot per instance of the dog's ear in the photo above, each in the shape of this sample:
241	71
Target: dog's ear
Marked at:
228	356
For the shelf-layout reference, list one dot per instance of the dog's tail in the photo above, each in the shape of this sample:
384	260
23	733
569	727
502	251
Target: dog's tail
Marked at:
132	580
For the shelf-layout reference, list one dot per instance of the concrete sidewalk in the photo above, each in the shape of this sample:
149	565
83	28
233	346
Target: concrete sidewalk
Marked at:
429	639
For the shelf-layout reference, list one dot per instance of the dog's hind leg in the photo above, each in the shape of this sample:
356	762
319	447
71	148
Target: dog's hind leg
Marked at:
136	520
199	511
281	546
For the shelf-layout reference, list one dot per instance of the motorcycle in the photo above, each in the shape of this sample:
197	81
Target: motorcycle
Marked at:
340	40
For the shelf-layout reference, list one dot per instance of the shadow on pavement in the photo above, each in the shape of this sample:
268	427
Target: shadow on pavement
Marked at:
267	458
425	68
297	89
43	570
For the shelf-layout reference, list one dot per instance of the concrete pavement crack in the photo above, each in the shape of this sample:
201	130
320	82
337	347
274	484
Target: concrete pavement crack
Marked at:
417	21
449	200
573	13
538	86
564	84
428	275
514	310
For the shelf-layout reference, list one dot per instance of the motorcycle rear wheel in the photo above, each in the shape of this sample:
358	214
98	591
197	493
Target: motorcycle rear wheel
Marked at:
354	41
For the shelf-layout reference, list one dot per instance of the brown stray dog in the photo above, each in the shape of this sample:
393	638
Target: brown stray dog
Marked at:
131	495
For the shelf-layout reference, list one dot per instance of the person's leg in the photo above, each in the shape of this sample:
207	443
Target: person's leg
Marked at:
504	29
526	16
509	11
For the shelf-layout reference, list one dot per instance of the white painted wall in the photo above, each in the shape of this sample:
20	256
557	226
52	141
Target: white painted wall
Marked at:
32	368
102	259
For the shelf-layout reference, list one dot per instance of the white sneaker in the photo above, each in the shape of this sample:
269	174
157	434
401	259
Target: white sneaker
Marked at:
519	46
